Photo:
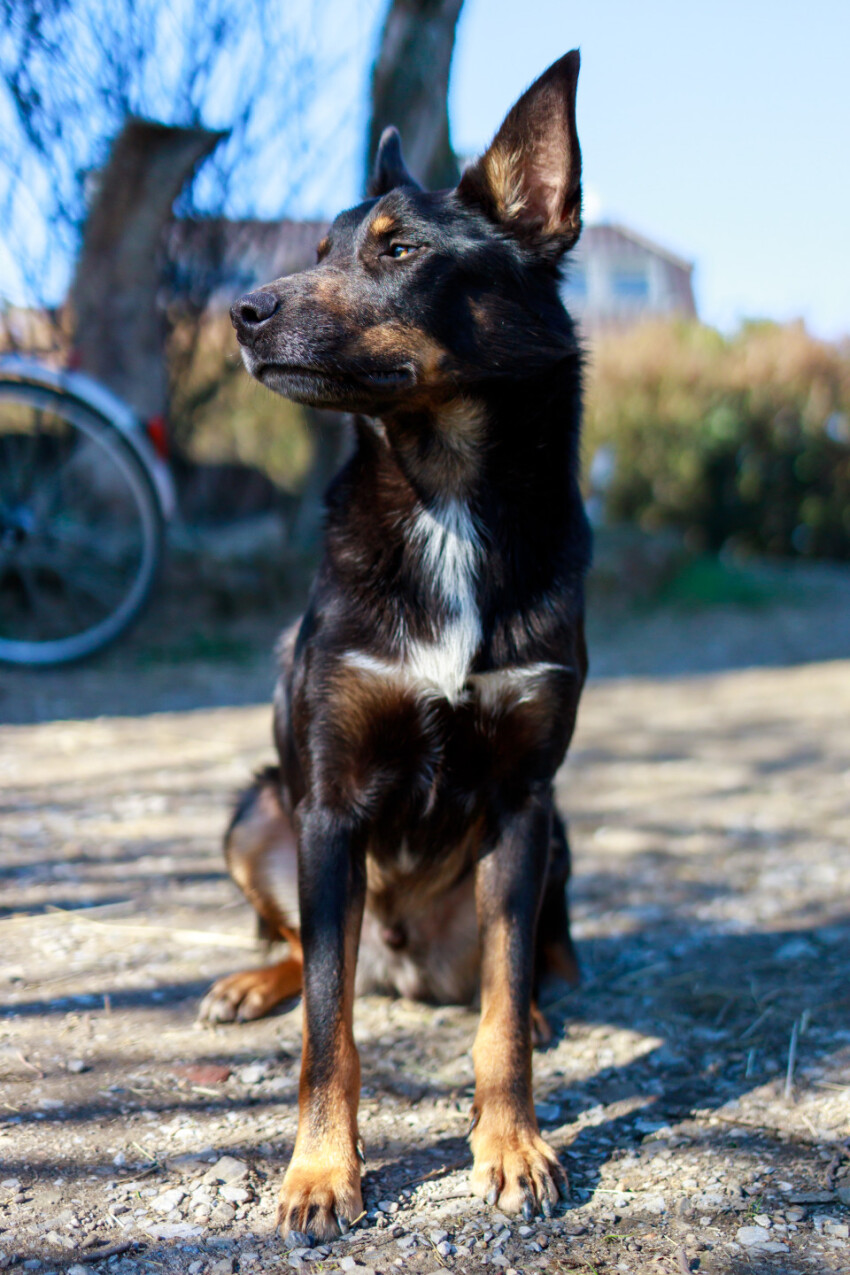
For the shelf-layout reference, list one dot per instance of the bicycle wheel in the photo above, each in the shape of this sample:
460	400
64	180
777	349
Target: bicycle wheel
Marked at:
81	528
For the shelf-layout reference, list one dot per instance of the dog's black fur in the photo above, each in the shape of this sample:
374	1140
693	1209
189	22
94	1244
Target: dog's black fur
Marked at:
428	696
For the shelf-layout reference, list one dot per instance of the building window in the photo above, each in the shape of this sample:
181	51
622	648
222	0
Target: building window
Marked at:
630	285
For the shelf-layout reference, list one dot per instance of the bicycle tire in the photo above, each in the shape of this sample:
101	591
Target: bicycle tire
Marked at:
112	444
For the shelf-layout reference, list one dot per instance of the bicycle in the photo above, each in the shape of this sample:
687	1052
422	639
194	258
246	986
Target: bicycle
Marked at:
85	496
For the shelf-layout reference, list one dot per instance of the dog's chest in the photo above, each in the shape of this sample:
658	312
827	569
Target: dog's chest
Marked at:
447	549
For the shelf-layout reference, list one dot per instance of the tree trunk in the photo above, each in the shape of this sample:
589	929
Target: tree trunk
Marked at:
410	85
120	327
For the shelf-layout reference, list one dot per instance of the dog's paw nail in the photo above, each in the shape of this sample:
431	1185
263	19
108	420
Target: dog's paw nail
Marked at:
343	1224
546	1207
361	1151
492	1195
527	1210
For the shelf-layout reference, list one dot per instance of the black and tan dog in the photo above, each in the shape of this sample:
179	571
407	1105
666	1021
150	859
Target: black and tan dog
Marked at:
428	696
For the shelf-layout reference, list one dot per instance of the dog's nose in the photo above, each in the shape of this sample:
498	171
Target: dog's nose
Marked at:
250	312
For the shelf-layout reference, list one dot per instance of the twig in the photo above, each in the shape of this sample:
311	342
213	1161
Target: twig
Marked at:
756	1023
31	1066
792	1062
99	1254
179	936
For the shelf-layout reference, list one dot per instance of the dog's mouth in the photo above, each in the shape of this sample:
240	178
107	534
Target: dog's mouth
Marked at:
320	386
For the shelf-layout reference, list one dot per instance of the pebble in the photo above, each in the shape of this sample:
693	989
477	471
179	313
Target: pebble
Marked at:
548	1112
235	1194
168	1200
297	1239
752	1236
437	1237
76	1066
228	1169
388	1206
222	1214
252	1074
222	1267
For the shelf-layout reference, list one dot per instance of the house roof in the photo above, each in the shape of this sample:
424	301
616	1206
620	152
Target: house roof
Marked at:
608	233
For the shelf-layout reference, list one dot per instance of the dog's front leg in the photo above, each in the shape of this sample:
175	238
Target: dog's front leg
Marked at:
321	1190
513	1165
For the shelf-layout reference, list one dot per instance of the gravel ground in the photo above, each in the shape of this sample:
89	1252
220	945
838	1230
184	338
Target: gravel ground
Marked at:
698	1087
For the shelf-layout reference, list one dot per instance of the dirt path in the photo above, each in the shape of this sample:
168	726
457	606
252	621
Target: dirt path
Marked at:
710	819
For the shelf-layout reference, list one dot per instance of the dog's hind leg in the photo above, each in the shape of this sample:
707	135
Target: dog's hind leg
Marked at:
260	851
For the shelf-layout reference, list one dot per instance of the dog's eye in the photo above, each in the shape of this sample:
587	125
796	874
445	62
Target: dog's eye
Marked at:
399	250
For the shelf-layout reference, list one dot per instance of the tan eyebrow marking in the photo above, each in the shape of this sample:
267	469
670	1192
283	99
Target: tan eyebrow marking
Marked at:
323	246
382	225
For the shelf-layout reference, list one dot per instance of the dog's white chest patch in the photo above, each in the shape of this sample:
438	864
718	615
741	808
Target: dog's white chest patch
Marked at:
449	549
447	539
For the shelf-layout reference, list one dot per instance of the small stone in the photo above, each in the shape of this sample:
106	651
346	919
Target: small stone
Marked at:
444	1248
202	1073
388	1206
195	1268
752	1236
547	1112
76	1066
171	1230
222	1214
525	1231
437	1237
228	1169
10	1184
347	1263
168	1200
76	1269
843	1193
297	1239
235	1194
222	1267
762	1219
838	1230
253	1073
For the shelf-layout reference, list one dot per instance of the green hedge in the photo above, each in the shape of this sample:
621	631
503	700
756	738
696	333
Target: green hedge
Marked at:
739	443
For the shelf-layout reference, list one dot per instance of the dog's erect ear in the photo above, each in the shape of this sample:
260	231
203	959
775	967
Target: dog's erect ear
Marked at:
530	178
390	170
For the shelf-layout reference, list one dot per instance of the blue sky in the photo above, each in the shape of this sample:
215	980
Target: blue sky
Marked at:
721	130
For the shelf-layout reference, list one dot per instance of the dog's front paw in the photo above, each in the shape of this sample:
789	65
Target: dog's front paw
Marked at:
515	1168
319	1197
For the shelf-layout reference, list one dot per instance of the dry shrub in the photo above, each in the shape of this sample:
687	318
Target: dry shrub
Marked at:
740	442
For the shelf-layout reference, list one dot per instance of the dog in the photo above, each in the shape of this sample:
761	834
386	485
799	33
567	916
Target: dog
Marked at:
428	695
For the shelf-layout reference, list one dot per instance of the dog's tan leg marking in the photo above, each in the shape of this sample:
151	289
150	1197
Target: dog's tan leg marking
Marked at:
321	1189
252	993
513	1166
